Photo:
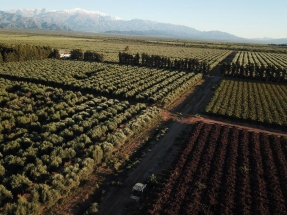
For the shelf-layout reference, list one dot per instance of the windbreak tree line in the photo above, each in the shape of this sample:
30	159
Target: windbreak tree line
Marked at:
129	59
11	53
26	52
262	66
253	71
78	54
157	61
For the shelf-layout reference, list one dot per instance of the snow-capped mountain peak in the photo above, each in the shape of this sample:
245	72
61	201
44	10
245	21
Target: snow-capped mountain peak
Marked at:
75	11
78	19
82	11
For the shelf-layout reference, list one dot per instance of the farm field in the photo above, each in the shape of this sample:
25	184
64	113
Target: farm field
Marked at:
110	46
137	83
52	139
222	169
252	101
269	67
260	58
76	135
61	119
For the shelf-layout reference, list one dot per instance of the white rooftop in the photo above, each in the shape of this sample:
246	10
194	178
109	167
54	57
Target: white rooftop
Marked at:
139	186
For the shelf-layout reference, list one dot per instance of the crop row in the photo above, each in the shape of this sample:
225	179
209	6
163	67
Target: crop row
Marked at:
52	139
138	83
226	170
249	100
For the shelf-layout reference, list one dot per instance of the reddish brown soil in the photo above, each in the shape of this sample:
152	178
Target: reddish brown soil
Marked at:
159	159
182	112
226	170
79	201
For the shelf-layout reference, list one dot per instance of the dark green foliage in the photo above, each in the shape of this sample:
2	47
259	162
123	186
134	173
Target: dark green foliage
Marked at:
87	167
157	61
51	139
55	54
97	132
47	195
25	52
11	147
22	207
93	56
93	209
58	183
254	72
152	181
36	171
118	138
107	149
4	194
112	125
19	183
77	54
2	170
96	153
129	59
14	162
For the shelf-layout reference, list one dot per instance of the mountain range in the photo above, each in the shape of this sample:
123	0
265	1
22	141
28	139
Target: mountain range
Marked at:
96	22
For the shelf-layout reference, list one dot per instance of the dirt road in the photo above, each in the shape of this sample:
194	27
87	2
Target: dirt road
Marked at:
114	201
159	157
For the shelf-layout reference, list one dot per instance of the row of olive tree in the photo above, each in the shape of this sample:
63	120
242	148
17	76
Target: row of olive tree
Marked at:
60	184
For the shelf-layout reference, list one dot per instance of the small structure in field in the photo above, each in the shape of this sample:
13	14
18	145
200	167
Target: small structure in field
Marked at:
137	191
64	53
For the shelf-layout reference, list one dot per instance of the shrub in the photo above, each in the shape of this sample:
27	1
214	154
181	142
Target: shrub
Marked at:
19	183
4	194
94	208
107	149
47	195
22	207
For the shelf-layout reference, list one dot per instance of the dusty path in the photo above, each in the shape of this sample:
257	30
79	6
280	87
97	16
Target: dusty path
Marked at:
191	119
159	158
114	201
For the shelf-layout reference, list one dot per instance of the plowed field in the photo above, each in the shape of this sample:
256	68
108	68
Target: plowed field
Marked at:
226	170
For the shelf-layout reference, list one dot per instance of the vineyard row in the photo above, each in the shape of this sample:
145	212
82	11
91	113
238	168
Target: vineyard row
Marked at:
252	101
225	170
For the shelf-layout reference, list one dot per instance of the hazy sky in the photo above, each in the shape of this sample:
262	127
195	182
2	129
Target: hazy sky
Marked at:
244	18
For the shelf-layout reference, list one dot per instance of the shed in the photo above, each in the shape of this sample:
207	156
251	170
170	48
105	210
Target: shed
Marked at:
137	191
139	187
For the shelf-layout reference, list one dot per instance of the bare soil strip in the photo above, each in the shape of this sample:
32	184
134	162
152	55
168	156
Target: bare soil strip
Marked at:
160	156
183	113
158	159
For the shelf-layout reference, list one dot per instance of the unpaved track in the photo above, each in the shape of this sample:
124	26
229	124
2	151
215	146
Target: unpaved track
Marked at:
114	201
159	157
